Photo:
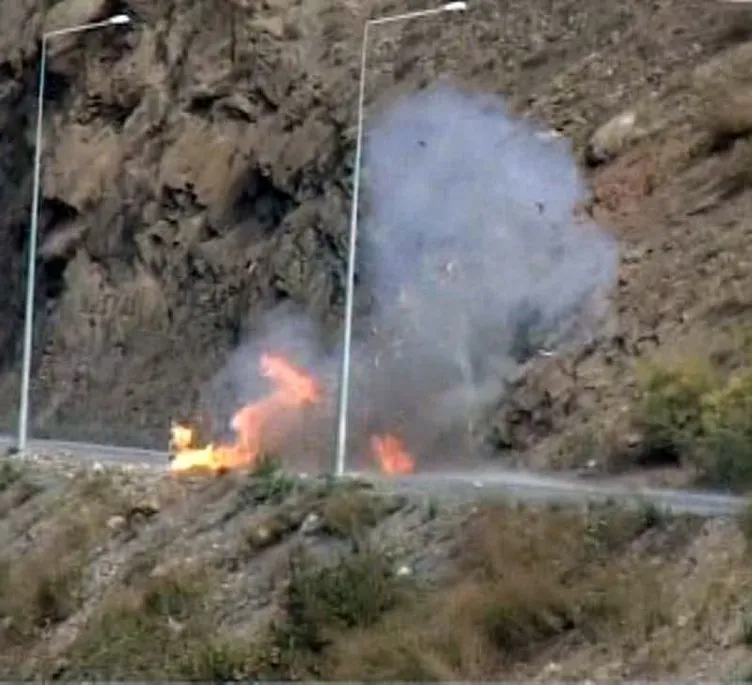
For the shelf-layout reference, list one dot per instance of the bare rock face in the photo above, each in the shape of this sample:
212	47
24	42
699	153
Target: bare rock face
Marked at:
612	137
197	169
191	172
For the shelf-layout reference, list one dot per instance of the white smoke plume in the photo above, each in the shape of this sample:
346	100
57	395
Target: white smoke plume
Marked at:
474	253
470	245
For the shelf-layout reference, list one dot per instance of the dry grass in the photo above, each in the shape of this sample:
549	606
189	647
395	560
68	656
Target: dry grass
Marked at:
720	117
345	511
16	486
141	303
700	125
351	512
724	90
41	588
163	625
157	627
745	524
524	579
522	582
37	592
355	592
272	529
323	604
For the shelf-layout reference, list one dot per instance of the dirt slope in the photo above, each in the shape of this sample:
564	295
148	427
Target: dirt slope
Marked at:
197	168
133	575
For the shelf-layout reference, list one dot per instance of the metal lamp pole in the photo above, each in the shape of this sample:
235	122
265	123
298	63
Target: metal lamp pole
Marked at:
23	417
344	387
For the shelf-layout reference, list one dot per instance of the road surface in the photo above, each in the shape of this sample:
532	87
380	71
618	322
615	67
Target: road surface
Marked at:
90	451
514	486
531	488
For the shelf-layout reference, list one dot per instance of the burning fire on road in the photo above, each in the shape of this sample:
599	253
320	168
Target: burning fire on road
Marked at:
293	389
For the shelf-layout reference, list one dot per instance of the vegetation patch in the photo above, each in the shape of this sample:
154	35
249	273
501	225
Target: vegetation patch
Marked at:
350	513
41	588
324	603
669	413
11	471
520	581
272	529
523	579
690	413
268	483
159	628
16	487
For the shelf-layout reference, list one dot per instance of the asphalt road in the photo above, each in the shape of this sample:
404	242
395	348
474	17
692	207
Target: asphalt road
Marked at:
512	486
530	488
110	454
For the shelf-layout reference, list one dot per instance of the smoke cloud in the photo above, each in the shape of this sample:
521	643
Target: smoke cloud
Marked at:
475	255
470	246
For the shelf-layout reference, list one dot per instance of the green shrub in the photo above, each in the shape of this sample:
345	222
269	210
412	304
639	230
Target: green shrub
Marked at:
688	413
150	631
669	413
354	593
723	453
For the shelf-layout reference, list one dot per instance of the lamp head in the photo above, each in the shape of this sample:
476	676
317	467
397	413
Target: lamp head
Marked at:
458	6
119	19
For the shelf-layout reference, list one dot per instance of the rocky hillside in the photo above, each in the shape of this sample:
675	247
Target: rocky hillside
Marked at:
131	575
197	166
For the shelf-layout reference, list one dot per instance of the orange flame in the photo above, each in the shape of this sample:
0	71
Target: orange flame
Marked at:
293	388
392	456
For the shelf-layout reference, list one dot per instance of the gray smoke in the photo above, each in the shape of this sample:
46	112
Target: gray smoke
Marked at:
475	255
470	246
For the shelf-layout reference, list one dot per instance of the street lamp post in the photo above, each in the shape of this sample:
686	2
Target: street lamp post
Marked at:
23	417
344	386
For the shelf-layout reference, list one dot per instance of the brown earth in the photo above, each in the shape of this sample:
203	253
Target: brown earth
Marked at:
136	575
197	164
